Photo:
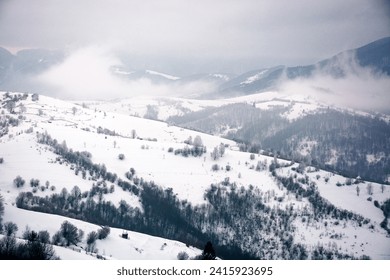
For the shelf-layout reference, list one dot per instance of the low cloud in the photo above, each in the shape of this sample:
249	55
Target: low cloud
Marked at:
203	36
360	87
87	74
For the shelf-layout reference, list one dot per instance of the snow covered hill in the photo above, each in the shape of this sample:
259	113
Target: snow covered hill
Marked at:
296	124
135	174
136	246
373	56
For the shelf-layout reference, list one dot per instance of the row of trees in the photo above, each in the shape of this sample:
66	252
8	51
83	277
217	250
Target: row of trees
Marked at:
5	122
218	152
238	221
349	138
82	160
194	147
195	151
36	245
1	211
321	208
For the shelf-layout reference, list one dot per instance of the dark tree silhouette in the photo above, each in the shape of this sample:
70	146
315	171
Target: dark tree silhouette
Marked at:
19	182
208	252
36	250
91	240
1	211
103	232
31	249
10	228
70	233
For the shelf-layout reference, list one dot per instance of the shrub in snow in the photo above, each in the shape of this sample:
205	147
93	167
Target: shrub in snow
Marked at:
10	228
44	236
386	208
57	239
70	233
81	234
103	232
188	141
1	211
215	154
19	182
121	156
35	97
182	256
221	149
91	241
133	134
34	183
215	167
226	181
326	179
357	190
369	189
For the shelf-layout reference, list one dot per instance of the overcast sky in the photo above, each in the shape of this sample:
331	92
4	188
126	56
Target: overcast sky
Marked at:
189	36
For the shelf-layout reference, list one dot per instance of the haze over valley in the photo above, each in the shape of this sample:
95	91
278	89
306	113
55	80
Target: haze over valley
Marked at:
126	135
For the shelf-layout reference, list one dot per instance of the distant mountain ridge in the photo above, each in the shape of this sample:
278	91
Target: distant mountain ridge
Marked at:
165	191
14	69
375	55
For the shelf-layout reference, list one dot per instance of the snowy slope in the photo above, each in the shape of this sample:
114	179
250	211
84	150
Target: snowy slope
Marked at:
138	246
298	105
341	235
145	144
167	76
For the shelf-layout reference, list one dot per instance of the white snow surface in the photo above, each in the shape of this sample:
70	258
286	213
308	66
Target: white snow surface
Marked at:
138	246
254	78
170	77
354	239
148	155
298	105
221	76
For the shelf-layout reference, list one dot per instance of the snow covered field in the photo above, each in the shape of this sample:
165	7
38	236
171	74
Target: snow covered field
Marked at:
145	145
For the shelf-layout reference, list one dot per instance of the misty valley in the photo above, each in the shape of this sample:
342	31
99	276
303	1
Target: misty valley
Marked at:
283	162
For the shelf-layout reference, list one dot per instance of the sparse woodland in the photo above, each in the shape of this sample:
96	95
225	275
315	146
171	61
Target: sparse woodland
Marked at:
242	221
238	220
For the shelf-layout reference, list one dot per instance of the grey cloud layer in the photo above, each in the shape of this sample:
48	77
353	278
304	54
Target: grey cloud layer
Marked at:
223	35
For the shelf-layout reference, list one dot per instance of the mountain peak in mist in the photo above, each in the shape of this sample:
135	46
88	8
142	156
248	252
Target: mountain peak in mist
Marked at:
21	72
375	56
